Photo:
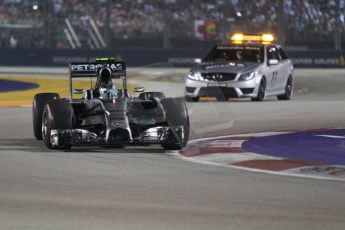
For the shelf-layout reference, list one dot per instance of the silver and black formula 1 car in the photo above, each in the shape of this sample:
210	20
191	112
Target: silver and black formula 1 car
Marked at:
107	116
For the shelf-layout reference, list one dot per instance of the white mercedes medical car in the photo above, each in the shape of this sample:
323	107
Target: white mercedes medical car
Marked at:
249	66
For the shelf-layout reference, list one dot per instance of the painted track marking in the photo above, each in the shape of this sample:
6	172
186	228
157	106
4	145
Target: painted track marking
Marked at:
254	162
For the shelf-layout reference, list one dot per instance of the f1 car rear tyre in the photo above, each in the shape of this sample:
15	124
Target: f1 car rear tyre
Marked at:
261	92
178	121
288	90
151	96
38	104
57	114
192	99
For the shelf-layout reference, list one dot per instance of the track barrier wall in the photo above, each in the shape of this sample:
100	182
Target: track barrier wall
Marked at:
149	57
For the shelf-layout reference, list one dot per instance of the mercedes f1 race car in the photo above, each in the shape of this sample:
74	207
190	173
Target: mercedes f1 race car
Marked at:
107	116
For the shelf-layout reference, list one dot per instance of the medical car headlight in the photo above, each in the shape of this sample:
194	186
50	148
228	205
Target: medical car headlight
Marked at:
196	76
247	76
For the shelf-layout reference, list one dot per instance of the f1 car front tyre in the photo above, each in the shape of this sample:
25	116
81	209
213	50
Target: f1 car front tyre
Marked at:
38	104
288	90
57	115
178	121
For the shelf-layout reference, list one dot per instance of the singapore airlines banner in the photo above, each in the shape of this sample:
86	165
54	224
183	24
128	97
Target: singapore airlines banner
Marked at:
318	58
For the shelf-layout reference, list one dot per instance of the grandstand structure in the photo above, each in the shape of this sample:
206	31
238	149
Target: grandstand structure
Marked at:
91	24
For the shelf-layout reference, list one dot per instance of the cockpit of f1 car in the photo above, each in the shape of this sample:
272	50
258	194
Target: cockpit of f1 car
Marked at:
106	115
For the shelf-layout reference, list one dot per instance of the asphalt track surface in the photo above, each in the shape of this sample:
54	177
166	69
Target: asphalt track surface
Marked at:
143	188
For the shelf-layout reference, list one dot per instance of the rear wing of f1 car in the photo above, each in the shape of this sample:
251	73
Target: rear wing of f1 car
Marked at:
91	69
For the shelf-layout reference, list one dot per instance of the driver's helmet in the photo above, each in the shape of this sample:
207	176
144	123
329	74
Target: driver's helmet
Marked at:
239	55
107	89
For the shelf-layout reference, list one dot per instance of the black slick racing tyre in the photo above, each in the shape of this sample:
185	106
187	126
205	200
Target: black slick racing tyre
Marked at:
178	121
288	90
151	96
39	102
261	92
191	99
57	114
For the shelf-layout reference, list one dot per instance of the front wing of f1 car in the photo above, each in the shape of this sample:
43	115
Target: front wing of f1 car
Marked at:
125	122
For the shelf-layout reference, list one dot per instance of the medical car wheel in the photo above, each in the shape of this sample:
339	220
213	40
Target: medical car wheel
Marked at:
38	104
178	121
288	90
57	115
261	91
222	98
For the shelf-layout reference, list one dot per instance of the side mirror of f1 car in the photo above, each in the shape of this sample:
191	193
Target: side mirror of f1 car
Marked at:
88	95
273	62
138	89
78	91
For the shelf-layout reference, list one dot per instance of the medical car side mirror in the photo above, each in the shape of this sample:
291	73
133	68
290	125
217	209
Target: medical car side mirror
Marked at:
273	62
197	60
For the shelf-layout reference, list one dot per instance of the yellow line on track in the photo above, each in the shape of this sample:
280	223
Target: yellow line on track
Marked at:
53	84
